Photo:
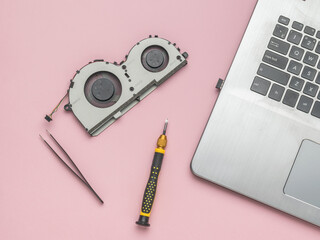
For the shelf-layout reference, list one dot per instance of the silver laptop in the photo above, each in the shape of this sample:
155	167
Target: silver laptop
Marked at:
263	136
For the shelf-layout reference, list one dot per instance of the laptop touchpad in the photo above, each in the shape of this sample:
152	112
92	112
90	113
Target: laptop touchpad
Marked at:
304	180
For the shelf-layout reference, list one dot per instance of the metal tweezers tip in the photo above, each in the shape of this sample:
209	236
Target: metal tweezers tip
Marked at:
48	132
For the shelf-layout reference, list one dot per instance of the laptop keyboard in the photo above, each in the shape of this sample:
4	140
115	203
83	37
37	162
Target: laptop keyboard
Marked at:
289	72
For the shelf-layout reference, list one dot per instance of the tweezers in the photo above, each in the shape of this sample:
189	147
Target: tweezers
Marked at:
81	177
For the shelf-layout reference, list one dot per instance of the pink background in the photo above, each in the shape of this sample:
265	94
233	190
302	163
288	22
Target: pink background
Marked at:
42	44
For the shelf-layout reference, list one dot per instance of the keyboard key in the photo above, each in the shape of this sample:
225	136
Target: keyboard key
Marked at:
290	98
296	83
318	34
260	86
294	67
273	74
276	92
318	48
318	65
284	20
280	31
311	89
296	53
294	37
305	104
278	46
309	30
316	109
298	26
318	78
319	95
310	59
308	73
308	42
275	59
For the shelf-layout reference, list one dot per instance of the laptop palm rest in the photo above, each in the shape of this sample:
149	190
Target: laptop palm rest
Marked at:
304	179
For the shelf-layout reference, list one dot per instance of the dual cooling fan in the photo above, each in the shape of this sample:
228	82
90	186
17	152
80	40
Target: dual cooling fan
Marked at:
101	92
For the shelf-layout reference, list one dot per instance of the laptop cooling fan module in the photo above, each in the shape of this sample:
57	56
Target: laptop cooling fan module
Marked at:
101	92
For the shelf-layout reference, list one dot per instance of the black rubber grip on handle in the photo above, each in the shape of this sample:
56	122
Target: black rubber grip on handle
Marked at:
150	190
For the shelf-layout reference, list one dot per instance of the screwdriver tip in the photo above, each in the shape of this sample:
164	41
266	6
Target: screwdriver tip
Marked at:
165	127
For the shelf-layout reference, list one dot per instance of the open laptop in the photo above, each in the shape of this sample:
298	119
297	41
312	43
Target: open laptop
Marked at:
262	138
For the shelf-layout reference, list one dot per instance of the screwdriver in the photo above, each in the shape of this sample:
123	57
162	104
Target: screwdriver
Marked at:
150	190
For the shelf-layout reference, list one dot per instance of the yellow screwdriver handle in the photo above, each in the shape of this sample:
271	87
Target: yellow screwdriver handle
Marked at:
150	190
